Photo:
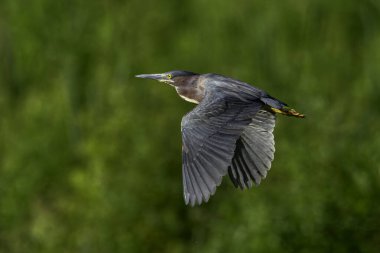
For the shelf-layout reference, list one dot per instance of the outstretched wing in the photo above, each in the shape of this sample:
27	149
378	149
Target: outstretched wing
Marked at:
254	151
209	135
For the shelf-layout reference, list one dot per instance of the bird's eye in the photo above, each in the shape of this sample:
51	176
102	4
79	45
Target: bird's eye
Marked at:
170	76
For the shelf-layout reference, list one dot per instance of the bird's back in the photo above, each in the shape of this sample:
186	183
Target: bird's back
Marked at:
232	87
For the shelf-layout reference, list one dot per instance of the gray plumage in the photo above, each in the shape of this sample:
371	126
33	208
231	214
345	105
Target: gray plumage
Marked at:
229	132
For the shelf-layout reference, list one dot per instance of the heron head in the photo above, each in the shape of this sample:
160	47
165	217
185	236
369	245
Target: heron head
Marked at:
171	77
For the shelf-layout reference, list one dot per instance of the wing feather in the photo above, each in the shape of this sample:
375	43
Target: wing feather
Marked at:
209	135
254	150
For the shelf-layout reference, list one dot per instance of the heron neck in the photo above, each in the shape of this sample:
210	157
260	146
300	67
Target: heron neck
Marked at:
190	89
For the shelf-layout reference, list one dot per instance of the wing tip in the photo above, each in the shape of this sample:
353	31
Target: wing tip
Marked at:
193	200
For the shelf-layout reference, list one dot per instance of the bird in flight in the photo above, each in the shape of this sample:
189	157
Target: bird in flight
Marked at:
230	131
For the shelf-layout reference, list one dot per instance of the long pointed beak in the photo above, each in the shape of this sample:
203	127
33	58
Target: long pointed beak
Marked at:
152	76
163	78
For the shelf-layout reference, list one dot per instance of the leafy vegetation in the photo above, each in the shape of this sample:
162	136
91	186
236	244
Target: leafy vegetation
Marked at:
90	156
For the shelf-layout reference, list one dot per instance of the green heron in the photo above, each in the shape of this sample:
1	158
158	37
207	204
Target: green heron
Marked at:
230	131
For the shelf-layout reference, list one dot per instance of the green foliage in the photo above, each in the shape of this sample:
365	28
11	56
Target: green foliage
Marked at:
90	156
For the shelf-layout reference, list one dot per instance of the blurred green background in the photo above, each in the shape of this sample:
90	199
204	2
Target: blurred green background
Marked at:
90	157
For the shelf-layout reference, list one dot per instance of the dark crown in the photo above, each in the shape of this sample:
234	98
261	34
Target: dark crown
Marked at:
176	73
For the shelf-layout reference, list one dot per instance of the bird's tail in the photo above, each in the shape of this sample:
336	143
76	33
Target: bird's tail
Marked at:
288	112
280	107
